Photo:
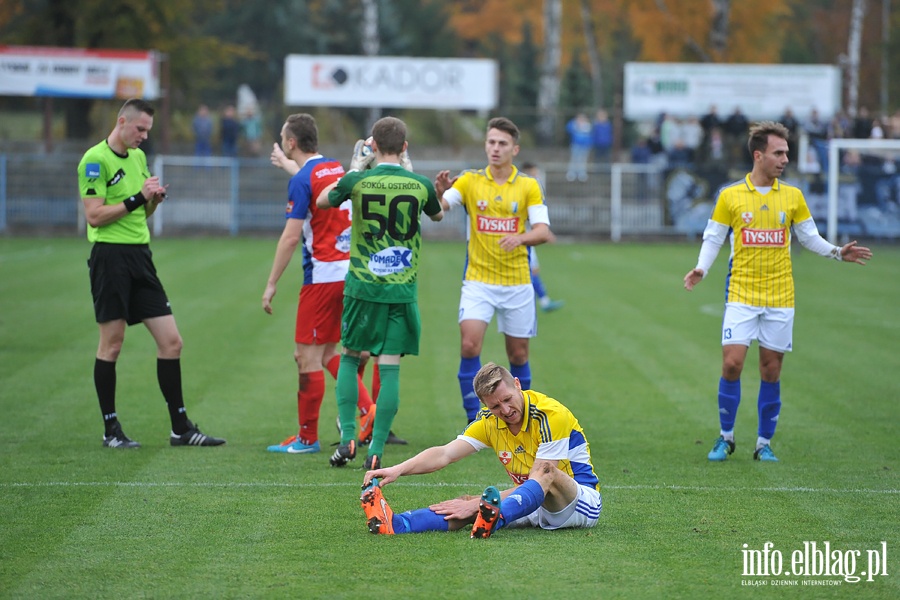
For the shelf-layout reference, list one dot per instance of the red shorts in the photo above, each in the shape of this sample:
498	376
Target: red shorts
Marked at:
319	313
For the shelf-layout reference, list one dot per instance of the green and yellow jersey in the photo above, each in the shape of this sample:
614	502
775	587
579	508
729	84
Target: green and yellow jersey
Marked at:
385	235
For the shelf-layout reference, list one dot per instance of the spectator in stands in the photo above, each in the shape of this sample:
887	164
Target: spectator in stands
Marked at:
877	132
793	126
862	124
714	148
580	143
252	126
668	132
817	132
203	129
692	135
640	152
602	134
735	128
229	131
839	126
710	121
893	129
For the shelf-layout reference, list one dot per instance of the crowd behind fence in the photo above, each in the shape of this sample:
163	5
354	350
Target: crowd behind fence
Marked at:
235	196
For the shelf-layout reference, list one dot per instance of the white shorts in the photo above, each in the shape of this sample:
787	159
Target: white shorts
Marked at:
771	327
514	305
584	511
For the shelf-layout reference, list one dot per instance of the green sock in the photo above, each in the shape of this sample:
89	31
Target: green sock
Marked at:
387	403
347	391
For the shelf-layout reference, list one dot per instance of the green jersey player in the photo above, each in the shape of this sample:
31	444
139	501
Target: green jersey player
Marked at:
380	310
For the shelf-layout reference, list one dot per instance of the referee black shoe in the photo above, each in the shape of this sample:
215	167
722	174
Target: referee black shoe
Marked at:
194	437
117	438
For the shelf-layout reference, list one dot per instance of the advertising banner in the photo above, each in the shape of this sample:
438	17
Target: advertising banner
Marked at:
78	73
760	91
390	81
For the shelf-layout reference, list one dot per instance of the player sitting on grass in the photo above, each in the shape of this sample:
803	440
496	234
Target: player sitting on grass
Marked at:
541	446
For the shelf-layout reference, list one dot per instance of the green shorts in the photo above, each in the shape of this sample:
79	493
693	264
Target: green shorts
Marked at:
380	328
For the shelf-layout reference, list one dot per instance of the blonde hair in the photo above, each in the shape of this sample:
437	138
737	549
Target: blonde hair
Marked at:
489	377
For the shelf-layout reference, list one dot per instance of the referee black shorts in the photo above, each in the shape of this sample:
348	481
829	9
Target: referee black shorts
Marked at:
124	283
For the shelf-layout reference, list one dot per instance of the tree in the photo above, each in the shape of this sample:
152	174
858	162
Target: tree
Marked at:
525	78
590	43
576	91
548	97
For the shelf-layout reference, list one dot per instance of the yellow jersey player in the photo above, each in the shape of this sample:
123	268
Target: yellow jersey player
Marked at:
758	213
536	439
499	200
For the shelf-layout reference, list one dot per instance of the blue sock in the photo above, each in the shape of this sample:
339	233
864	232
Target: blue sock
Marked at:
538	286
523	373
526	499
417	521
729	399
468	368
769	407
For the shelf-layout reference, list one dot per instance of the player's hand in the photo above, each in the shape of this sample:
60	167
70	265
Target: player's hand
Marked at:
443	182
362	156
693	277
277	157
857	254
385	476
464	507
511	242
267	298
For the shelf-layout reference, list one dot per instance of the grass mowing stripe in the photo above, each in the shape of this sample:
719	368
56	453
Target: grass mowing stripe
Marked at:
440	484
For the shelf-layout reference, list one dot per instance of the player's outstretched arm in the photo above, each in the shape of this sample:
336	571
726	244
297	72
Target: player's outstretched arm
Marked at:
442	183
856	254
322	198
427	461
693	277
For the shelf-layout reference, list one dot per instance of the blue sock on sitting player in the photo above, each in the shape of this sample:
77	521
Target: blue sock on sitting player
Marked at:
768	407
418	521
468	368
522	373
729	399
526	499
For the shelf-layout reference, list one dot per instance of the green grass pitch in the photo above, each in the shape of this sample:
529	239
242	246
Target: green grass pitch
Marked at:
632	354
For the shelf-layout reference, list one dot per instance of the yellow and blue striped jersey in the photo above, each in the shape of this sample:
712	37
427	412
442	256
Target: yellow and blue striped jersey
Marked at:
550	432
496	209
760	272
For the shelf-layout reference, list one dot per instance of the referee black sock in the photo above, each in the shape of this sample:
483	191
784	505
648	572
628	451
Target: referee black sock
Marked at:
105	383
168	372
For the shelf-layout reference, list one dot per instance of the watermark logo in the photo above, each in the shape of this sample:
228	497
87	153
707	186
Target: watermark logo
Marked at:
815	563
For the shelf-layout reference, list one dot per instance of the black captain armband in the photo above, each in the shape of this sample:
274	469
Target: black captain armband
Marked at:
134	202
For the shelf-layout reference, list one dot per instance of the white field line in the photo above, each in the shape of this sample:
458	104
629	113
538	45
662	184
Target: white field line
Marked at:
263	484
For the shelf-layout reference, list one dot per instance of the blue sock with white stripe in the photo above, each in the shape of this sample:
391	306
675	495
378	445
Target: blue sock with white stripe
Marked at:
522	373
729	399
468	369
768	407
526	499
